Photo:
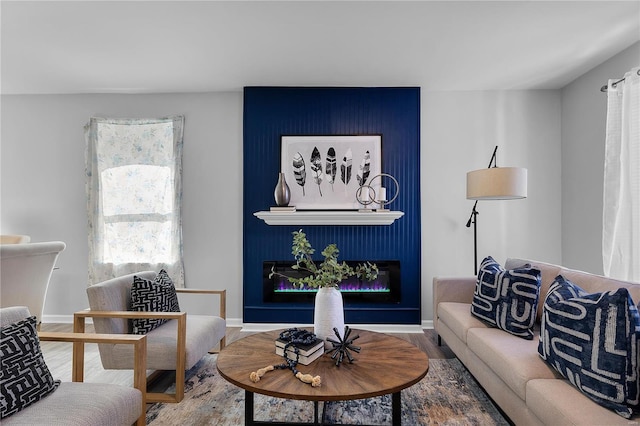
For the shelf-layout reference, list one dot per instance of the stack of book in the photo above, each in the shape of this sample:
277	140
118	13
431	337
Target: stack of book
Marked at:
308	353
286	209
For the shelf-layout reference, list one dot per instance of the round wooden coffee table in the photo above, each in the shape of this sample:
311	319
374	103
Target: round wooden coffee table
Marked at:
385	365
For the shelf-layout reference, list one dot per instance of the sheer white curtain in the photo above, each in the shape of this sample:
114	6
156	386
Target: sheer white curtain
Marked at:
621	214
134	196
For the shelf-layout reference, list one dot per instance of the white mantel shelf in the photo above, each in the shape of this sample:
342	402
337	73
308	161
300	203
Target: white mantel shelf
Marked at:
329	217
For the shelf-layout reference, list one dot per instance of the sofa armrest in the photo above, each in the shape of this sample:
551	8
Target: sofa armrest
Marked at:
222	308
457	289
139	343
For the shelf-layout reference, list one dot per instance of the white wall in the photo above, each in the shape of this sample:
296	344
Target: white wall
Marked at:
584	111
459	133
43	193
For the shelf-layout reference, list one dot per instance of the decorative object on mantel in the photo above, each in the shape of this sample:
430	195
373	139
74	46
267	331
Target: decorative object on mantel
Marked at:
342	347
283	209
282	193
369	194
328	310
493	183
364	197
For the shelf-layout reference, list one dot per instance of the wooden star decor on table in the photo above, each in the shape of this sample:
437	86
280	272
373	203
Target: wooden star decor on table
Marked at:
342	346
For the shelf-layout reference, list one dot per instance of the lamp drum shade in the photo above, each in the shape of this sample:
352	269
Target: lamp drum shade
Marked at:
497	183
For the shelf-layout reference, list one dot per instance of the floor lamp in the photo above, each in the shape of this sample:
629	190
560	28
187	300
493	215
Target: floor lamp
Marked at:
493	183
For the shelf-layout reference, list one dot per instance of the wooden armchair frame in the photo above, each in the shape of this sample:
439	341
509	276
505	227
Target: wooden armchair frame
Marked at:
222	309
139	343
181	339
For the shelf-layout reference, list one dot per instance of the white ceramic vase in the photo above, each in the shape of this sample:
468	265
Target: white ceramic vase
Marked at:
328	313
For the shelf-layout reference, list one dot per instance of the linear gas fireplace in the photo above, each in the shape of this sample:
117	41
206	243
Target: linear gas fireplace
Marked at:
384	290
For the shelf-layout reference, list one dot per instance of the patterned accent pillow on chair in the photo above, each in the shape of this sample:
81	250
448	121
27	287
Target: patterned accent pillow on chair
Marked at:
158	295
505	299
591	339
25	377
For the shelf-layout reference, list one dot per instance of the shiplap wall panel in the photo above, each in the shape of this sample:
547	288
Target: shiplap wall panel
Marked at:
270	112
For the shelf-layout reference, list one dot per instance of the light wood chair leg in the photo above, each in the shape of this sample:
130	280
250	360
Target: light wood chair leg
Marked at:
77	374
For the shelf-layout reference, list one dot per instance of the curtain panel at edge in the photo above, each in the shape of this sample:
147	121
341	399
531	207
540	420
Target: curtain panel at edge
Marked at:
112	147
621	198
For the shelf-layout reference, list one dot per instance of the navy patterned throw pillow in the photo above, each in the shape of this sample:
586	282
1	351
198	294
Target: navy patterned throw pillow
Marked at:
158	295
25	377
507	299
591	339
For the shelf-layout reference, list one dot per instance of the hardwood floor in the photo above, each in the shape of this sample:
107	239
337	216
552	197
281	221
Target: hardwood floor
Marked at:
58	355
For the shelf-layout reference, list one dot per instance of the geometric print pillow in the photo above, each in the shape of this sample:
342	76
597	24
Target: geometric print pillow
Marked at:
591	339
507	299
25	378
158	295
164	280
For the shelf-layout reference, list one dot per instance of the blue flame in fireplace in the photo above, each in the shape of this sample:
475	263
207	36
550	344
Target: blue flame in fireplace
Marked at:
282	285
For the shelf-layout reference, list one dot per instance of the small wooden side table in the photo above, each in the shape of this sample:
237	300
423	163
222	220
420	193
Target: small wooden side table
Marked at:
385	365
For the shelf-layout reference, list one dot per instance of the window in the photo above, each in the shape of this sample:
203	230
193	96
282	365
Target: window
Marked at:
134	192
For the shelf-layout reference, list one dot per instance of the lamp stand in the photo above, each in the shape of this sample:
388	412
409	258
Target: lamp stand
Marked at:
474	214
473	219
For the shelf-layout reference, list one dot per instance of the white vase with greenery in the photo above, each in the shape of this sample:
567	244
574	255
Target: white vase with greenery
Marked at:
328	312
326	277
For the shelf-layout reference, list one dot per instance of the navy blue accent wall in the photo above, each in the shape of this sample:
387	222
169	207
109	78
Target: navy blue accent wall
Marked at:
270	112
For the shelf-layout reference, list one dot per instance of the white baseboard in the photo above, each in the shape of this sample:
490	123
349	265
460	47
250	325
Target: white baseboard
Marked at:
234	322
427	324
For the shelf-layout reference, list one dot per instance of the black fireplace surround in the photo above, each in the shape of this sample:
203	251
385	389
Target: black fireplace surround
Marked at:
385	289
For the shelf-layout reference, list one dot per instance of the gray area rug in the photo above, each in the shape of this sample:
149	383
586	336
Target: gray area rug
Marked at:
448	395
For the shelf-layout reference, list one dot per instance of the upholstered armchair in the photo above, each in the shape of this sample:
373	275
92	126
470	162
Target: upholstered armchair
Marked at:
14	239
178	344
25	272
40	401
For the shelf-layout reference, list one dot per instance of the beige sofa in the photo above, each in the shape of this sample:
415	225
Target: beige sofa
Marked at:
509	368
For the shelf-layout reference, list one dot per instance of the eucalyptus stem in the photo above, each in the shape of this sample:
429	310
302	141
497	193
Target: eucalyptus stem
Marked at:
330	272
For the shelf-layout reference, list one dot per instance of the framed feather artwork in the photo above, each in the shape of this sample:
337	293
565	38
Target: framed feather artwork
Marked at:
324	172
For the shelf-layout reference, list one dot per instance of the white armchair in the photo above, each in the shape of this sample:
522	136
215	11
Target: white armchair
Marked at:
176	345
14	239
25	271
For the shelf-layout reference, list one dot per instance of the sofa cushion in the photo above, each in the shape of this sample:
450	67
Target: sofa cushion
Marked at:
511	358
203	333
458	318
507	299
25	378
591	339
558	403
158	295
76	404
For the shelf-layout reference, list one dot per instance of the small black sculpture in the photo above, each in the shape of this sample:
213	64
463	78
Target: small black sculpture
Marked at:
342	347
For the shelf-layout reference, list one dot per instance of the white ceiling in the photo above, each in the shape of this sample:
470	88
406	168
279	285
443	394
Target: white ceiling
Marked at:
201	46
